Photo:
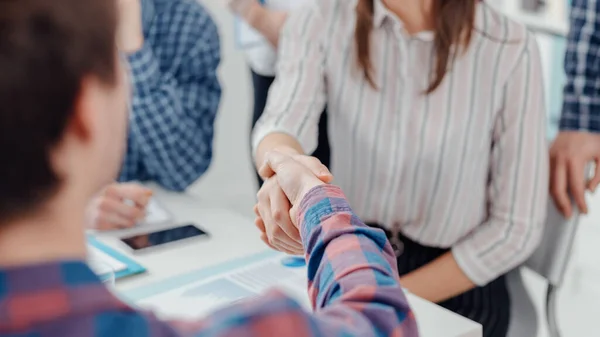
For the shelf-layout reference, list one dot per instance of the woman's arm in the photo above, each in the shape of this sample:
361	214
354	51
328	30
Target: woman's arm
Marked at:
439	280
517	192
277	141
297	97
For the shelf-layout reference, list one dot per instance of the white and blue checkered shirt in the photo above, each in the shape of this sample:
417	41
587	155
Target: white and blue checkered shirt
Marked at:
176	95
581	109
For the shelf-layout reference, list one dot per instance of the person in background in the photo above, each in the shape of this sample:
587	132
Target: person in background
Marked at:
578	142
437	125
262	59
63	123
173	51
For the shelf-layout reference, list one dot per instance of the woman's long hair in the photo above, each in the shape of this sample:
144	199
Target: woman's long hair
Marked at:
453	26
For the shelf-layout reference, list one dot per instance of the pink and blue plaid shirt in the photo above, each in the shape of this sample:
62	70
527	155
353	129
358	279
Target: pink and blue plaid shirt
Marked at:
353	285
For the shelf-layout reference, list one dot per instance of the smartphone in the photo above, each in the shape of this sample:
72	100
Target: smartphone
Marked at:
164	237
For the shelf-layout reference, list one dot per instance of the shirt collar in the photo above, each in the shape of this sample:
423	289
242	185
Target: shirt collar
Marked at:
33	294
381	14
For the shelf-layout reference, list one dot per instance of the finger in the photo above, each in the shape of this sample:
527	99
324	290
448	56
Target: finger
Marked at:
280	210
265	171
576	170
559	186
272	229
115	220
280	239
255	209
258	222
293	177
138	194
593	183
316	167
273	162
130	212
284	247
264	210
290	249
264	239
294	216
105	226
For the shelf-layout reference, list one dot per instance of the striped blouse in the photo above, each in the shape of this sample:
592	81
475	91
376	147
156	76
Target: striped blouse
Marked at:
465	167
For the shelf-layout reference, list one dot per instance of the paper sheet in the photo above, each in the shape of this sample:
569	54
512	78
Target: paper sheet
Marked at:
156	214
98	260
200	298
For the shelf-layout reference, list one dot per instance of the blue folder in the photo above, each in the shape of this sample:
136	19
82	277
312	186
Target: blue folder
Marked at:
133	268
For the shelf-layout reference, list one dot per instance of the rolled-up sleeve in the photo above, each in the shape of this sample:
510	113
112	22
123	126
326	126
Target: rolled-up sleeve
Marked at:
581	109
518	187
297	97
175	100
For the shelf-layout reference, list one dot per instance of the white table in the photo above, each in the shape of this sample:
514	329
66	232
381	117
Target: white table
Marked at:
233	236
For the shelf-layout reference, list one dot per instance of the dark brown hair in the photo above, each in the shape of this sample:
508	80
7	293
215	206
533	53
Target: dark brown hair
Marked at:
47	48
453	26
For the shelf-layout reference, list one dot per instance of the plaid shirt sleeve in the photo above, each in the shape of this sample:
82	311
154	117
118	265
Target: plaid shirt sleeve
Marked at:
353	283
173	111
581	108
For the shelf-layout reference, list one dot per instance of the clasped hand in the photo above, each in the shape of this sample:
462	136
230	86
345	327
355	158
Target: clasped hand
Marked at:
287	180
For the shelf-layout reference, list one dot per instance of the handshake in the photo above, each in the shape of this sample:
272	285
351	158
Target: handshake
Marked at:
288	178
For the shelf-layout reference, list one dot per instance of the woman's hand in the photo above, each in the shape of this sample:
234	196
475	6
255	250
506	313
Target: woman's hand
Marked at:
242	8
266	21
118	206
273	218
277	204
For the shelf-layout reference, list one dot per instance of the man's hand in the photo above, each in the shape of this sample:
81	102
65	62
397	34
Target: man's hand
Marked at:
243	8
130	36
288	179
118	206
569	156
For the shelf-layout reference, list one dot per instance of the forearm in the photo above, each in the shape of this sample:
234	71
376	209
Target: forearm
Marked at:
439	280
267	22
351	267
276	141
178	159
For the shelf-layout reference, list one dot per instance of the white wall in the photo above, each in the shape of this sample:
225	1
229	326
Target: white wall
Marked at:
230	181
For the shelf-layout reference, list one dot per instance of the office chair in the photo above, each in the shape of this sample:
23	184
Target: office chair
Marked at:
550	261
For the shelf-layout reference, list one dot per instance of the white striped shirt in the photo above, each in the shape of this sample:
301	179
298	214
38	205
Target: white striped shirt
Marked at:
464	167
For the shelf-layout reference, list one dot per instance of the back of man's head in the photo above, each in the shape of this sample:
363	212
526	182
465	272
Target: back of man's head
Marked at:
50	52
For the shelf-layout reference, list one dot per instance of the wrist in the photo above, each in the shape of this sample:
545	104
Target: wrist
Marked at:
285	149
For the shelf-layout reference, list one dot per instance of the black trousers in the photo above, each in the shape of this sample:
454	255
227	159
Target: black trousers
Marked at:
489	305
261	86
